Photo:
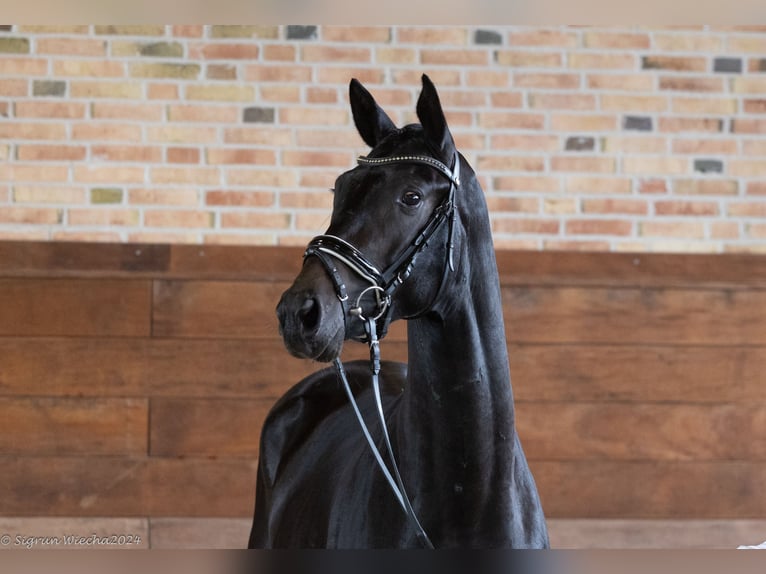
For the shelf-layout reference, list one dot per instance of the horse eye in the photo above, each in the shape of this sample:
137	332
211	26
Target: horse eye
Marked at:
411	198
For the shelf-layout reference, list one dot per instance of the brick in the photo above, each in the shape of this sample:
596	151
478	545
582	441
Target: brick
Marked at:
652	186
316	158
505	204
106	195
143	112
224	51
360	34
203	113
171	237
523	226
131	30
487	37
724	230
616	206
162	91
622	102
443	77
280	53
688	43
280	94
654	165
185	175
621	82
747	167
510	163
221	72
672	229
747	209
706	186
524	142
68	110
48	88
307	200
32	131
548	81
265	178
748	126
48	194
278	73
335	54
31	215
598	227
597	185
559	205
395	55
221	92
591	164
95	89
50	152
161	50
314	116
635	144
14	45
569	245
70	46
690	125
242	239
89	68
182	134
528	59
23	67
637	123
756	65
58	29
311	221
256	220
752	106
432	35
704	105
752	43
106	131
686	208
620	40
705	146
549	38
756	147
260	135
507	99
326	138
691	84
749	85
14	88
248	199
4	109
179	218
583	122
103	216
727	65
319	95
601	61
464	57
126	153
167	196
755	231
562	101
580	143
294	32
183	155
675	63
511	120
188	31
756	188
165	70
235	31
217	156
108	174
87	236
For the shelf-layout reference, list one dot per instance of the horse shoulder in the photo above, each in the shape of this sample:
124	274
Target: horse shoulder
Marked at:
303	407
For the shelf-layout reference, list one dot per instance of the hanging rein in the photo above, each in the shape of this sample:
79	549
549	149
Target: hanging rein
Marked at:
383	284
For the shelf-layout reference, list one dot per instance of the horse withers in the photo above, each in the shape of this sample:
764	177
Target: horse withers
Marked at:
409	238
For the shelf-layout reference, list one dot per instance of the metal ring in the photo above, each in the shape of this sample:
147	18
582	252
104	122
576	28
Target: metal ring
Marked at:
383	307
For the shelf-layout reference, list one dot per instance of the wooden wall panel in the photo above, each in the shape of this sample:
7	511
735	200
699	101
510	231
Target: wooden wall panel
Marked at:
74	307
37	426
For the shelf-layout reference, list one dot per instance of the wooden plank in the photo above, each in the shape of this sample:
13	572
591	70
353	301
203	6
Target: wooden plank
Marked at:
644	316
41	533
223	309
651	489
126	487
64	426
235	262
255	368
207	427
200	533
622	431
654	534
74	307
655	373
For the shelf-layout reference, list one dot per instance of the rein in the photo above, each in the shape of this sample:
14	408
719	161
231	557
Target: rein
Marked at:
383	284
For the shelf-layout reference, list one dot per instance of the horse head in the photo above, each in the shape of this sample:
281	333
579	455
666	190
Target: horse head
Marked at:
395	207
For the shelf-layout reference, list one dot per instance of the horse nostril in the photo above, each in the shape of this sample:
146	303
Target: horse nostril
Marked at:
309	314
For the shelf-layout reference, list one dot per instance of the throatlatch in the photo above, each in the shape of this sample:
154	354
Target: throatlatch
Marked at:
383	284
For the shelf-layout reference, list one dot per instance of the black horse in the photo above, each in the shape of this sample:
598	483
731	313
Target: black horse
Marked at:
449	412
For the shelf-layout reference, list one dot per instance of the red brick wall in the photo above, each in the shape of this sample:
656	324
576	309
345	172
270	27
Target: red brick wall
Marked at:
608	139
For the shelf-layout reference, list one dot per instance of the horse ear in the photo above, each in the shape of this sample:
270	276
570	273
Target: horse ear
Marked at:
434	123
372	123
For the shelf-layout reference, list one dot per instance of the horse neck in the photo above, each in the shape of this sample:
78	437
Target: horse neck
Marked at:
458	405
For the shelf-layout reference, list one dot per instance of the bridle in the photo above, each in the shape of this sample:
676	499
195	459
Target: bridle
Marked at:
383	284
